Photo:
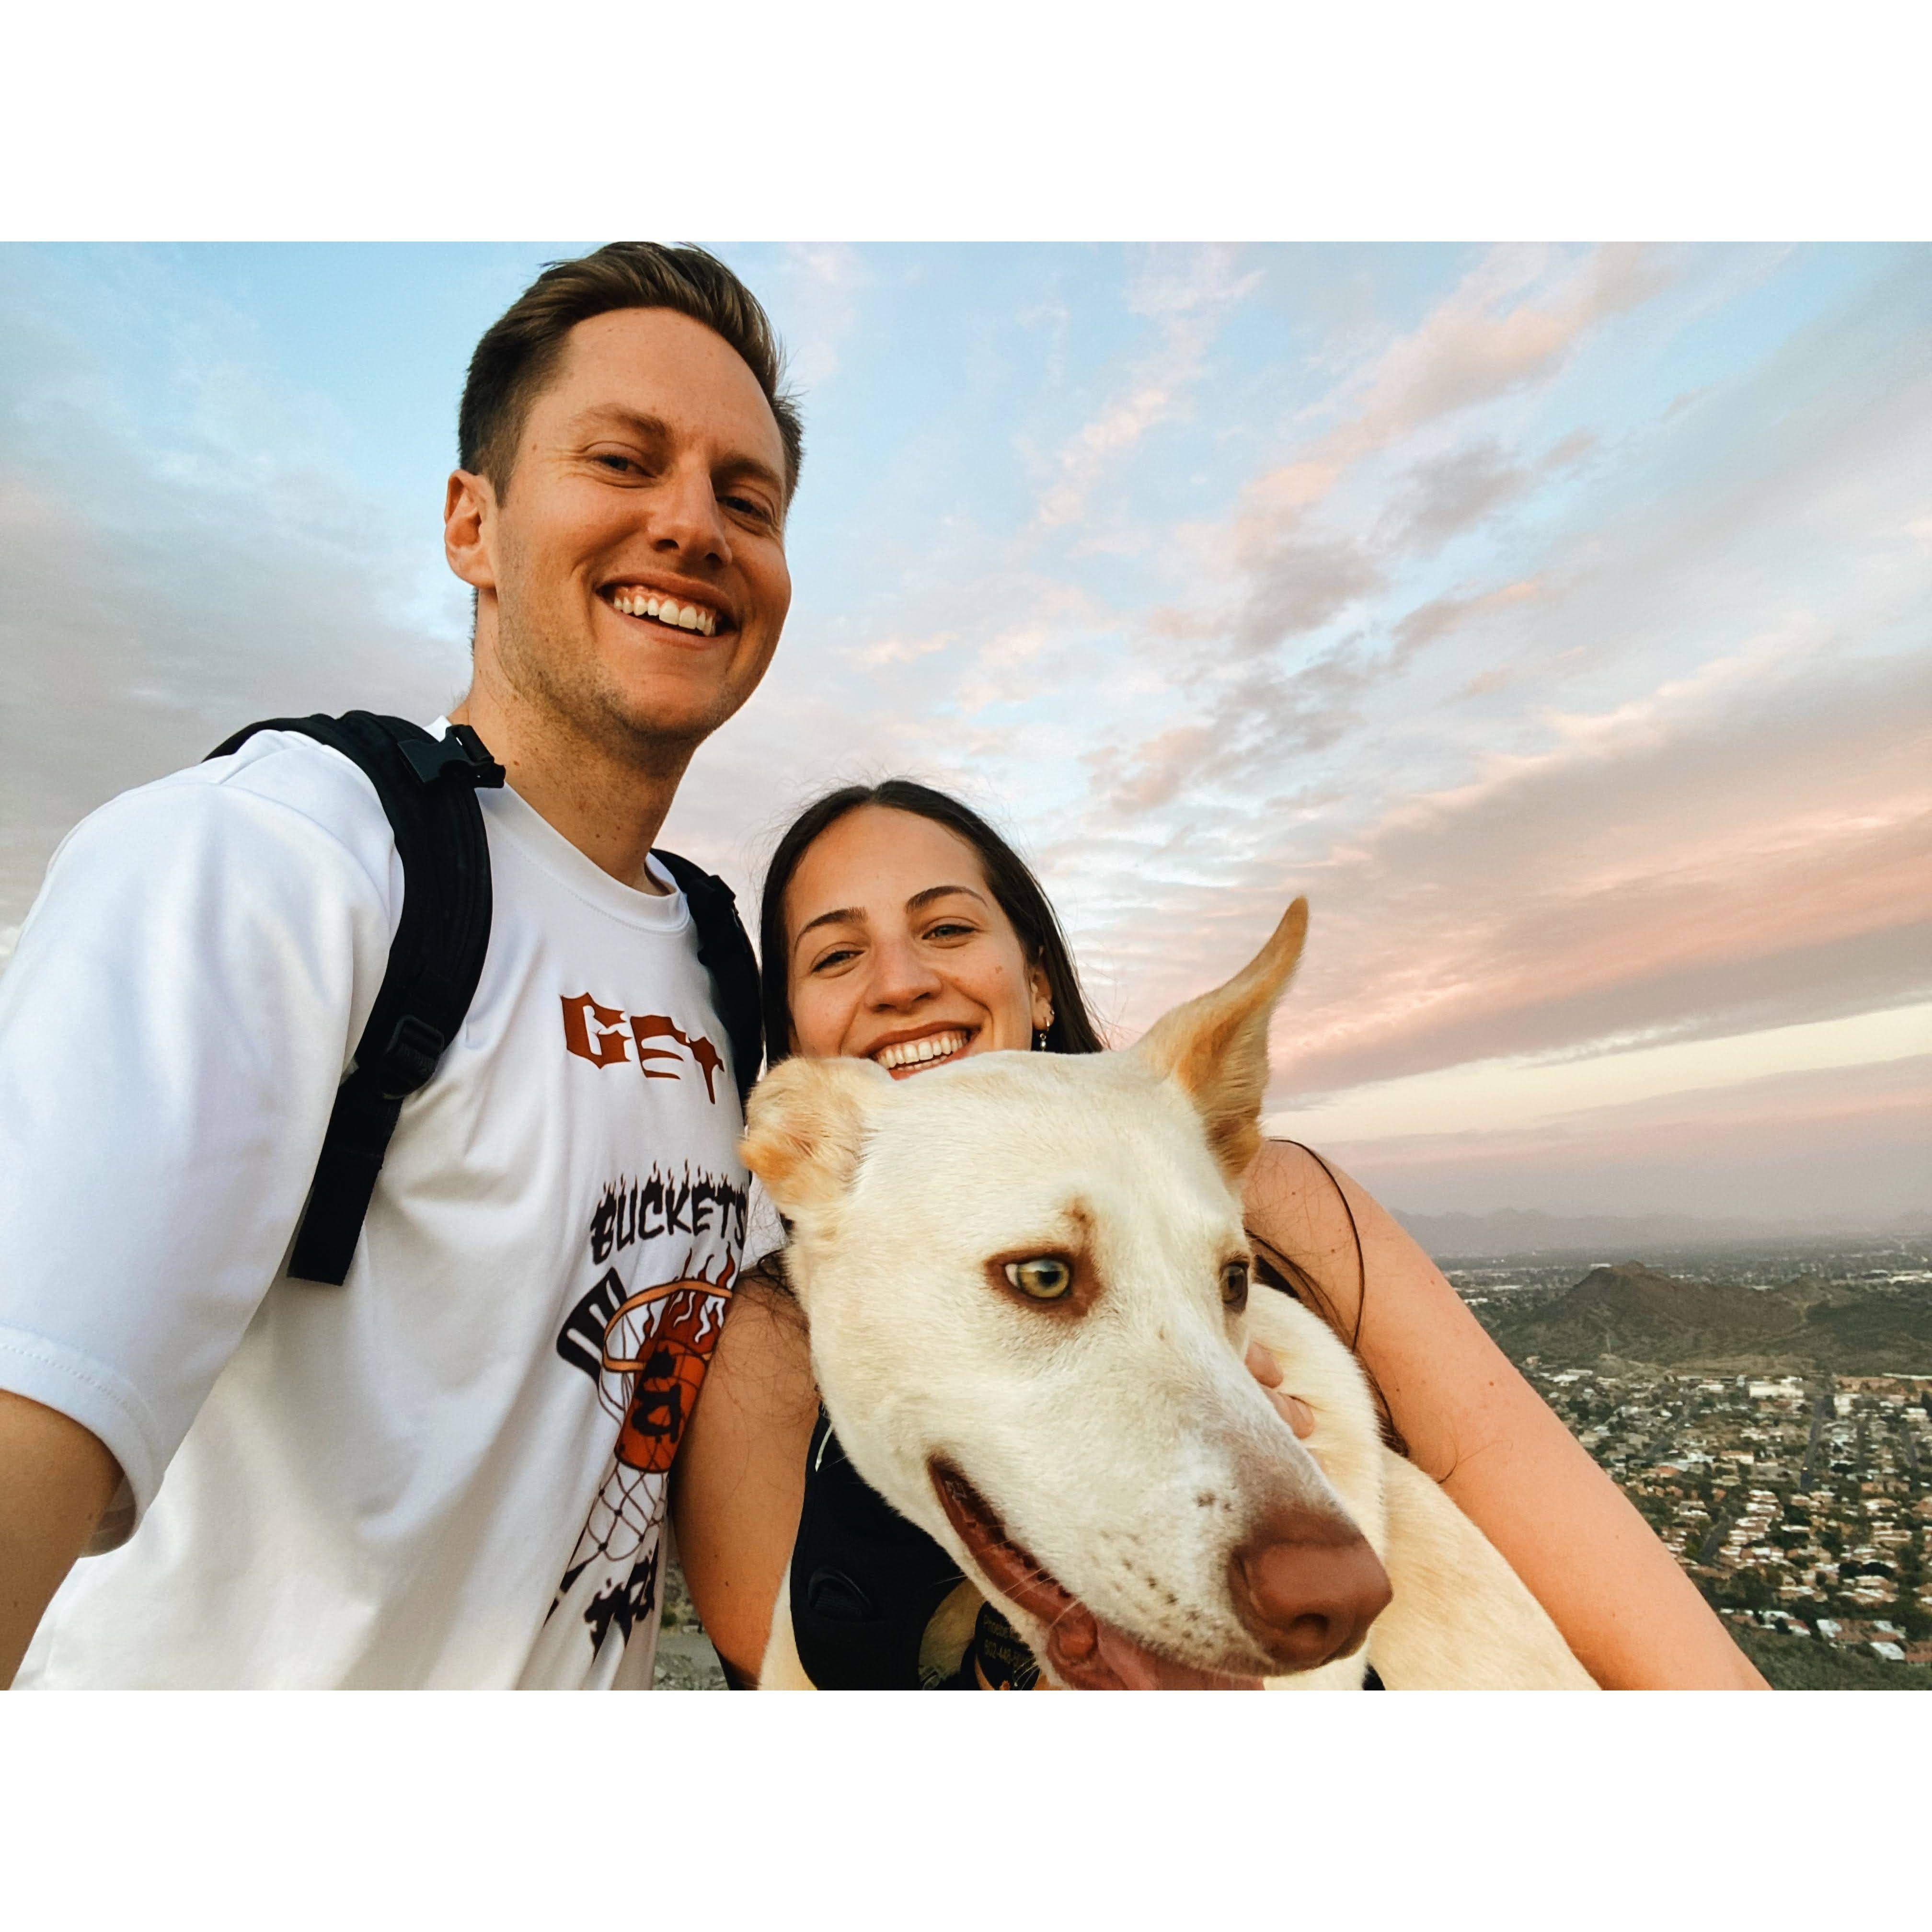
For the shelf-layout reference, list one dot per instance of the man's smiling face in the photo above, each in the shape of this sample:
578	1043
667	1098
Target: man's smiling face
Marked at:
632	574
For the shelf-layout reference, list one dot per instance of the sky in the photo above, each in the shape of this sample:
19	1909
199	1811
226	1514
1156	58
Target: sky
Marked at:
1554	617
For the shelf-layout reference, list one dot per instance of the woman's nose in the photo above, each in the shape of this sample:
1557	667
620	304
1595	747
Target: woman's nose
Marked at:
900	976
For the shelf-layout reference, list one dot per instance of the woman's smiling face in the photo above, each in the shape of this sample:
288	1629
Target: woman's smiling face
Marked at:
898	953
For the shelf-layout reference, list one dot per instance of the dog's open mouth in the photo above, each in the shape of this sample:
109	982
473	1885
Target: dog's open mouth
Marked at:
1084	1652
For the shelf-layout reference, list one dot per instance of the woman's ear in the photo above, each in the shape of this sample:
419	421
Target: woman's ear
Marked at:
1042	999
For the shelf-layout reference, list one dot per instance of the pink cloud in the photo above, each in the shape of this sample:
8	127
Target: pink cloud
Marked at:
1487	340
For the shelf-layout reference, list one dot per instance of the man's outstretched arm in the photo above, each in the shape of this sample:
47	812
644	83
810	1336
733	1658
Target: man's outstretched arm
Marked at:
55	1479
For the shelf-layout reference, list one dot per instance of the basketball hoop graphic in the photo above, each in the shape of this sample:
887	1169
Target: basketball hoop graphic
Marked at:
655	1346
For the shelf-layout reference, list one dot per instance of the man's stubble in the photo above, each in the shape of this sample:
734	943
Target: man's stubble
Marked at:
570	694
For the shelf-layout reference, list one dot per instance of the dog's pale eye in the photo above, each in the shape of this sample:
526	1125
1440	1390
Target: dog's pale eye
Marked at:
1046	1278
1235	1284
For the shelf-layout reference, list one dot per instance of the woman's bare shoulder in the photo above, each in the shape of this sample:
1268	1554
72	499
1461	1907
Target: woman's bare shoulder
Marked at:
763	1360
1302	1206
739	1476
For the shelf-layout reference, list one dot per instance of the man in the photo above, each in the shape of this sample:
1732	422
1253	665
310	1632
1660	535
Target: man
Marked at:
450	1469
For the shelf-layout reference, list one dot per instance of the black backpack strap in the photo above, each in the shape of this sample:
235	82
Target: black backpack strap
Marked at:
724	951
427	786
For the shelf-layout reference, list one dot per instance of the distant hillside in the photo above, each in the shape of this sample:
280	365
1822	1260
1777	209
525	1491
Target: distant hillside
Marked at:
1800	1663
1515	1231
1635	1314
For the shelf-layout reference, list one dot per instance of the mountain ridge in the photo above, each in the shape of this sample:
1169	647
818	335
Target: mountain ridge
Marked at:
1629	1312
1517	1231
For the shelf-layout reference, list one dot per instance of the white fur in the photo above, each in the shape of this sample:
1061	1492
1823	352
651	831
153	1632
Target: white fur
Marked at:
1124	1443
1460	1619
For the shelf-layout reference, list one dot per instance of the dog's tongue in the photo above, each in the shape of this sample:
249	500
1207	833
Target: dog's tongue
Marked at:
1085	1653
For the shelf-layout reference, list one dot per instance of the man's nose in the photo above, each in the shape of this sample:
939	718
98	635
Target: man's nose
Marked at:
685	518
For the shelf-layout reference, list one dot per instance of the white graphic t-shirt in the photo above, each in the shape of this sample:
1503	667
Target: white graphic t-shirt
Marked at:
451	1470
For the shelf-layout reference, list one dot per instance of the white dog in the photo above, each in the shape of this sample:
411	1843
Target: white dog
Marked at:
1026	1283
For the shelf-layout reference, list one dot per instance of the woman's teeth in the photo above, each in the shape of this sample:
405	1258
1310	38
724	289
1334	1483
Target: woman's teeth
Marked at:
668	610
921	1052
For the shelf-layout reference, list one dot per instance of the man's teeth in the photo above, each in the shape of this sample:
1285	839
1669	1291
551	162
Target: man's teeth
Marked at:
917	1052
668	610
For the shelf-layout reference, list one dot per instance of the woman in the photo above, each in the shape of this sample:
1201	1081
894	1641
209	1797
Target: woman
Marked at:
897	926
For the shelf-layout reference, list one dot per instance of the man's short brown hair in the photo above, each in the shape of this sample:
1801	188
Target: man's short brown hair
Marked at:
521	349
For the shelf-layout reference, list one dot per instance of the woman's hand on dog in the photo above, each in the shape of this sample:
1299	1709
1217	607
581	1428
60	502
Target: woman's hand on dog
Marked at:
1267	1371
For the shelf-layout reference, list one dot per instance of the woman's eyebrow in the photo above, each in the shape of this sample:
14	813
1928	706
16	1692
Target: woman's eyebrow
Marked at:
844	915
932	893
856	915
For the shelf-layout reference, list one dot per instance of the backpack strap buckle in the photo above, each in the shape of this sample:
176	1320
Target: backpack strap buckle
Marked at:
458	752
411	1057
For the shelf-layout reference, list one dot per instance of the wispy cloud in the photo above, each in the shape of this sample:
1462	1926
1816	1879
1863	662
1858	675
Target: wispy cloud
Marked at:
822	288
1187	294
157	591
1510	323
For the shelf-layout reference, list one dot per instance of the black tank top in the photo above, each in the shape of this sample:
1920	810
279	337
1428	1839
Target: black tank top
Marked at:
866	1585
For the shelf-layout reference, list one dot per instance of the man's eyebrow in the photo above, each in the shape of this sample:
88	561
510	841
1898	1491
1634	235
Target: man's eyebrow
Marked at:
654	429
742	463
649	427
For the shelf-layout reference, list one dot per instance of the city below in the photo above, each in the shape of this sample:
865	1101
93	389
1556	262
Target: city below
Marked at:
1768	1410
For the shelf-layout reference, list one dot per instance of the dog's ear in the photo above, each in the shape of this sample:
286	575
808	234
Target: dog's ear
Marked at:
1216	1046
804	1125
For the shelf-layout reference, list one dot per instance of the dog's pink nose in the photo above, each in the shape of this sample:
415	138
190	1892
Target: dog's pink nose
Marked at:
1307	1586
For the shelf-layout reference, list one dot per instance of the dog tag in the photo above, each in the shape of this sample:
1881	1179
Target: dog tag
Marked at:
1000	1661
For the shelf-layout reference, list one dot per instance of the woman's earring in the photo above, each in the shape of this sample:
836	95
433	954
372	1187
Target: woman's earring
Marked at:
1039	1034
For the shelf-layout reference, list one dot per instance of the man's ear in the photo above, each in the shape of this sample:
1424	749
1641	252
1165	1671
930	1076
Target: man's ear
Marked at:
1216	1047
805	1127
469	510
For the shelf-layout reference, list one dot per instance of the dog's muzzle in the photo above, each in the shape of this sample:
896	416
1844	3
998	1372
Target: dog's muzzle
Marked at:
1083	1651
